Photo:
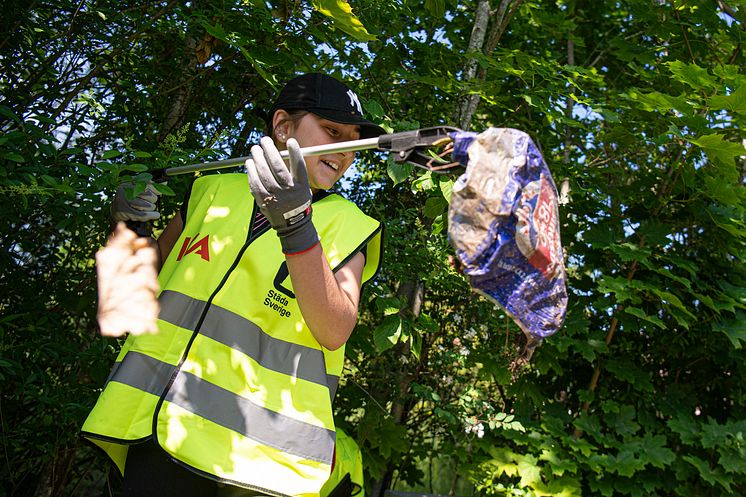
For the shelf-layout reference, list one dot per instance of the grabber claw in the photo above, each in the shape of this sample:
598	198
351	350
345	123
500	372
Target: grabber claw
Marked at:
425	148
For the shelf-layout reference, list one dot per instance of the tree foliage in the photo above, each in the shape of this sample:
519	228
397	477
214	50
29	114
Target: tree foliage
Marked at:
638	107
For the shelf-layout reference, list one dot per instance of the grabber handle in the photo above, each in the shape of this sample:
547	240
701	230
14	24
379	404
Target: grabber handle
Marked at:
141	228
145	228
405	141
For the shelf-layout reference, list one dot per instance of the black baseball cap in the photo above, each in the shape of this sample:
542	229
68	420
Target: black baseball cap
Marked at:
326	97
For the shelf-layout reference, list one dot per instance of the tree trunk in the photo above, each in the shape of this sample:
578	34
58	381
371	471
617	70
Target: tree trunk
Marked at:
468	102
175	117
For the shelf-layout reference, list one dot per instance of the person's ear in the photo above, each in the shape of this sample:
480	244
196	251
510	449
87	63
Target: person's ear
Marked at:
281	126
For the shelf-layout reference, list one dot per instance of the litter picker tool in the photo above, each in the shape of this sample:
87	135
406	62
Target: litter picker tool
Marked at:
426	148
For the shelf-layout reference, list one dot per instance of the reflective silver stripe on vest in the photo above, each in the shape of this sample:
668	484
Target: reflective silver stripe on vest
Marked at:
236	332
333	382
243	416
142	372
180	310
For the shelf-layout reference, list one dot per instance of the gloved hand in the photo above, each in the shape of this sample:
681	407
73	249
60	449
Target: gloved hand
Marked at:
283	194
140	208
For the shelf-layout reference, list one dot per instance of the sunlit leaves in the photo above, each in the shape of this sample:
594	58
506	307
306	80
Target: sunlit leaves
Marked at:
388	333
340	12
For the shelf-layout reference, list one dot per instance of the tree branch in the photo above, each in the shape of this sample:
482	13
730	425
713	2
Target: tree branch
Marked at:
467	105
502	17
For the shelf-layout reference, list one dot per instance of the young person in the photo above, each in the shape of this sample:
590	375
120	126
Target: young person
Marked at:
260	284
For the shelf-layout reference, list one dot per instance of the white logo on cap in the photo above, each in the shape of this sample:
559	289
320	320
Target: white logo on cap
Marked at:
354	101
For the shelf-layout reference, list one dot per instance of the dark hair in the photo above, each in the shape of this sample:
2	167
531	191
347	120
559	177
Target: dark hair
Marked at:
293	116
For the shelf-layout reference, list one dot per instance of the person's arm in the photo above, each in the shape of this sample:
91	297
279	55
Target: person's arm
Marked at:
168	237
327	300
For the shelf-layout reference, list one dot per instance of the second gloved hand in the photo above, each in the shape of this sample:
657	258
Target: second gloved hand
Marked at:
283	194
140	208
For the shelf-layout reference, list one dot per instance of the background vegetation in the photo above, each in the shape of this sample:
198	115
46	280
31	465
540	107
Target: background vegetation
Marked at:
638	107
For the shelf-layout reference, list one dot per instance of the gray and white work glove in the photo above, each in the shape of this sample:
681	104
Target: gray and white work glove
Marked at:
283	194
140	208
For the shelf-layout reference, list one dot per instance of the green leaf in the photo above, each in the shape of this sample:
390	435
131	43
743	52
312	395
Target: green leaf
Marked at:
415	342
445	415
137	188
734	461
138	168
672	301
164	189
629	252
12	156
340	12
654	451
446	187
734	329
691	74
397	171
142	155
71	151
641	314
529	472
259	66
436	8
426	324
735	102
388	305
708	474
590	348
589	424
624	422
434	206
425	392
626	463
623	289
49	180
9	114
661	102
503	461
668	274
560	487
387	334
558	464
374	109
111	154
721	150
727	192
423	183
687	429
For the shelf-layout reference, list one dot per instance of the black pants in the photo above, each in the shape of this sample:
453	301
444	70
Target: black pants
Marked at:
150	471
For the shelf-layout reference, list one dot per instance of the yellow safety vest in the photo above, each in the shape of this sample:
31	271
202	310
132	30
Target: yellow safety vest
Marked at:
234	385
348	465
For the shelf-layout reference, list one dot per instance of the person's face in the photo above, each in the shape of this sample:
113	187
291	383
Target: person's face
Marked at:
311	130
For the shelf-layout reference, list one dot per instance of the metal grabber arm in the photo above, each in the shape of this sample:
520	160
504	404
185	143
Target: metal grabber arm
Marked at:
428	148
425	148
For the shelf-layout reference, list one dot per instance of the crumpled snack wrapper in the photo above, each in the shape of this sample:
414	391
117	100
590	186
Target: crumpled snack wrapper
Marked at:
127	284
504	225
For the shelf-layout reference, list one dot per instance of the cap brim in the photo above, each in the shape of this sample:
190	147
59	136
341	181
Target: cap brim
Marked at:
367	128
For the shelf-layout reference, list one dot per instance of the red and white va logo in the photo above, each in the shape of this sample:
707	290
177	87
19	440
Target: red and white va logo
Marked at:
201	247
